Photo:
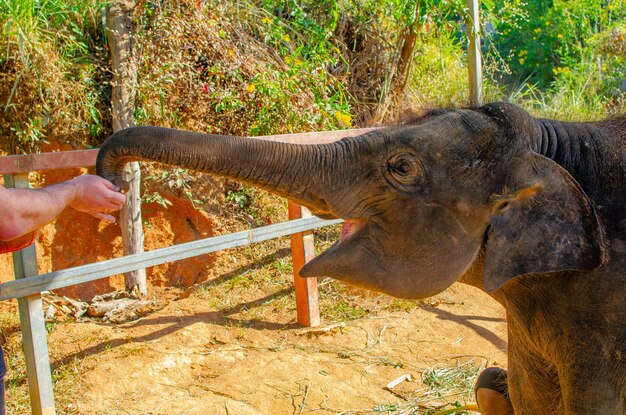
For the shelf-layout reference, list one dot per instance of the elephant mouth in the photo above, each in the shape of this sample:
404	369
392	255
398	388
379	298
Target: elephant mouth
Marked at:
345	257
351	227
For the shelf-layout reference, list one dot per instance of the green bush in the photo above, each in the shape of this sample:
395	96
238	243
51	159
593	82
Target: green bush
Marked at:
571	50
275	66
53	73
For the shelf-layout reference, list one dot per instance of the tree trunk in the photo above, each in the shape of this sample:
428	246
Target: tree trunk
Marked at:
400	74
121	41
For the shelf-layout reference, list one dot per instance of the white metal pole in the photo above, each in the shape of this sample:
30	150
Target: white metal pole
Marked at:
473	53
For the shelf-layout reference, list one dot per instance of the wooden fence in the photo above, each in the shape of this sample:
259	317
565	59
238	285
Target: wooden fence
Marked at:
27	285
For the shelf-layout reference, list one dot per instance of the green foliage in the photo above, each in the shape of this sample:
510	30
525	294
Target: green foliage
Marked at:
52	73
302	33
176	179
242	197
284	266
563	59
310	23
398	304
155	197
9	324
259	67
344	311
565	46
443	380
30	134
61	22
235	69
386	408
439	73
457	409
248	204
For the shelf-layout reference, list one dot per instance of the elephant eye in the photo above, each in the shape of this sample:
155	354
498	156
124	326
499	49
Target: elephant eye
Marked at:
404	171
403	167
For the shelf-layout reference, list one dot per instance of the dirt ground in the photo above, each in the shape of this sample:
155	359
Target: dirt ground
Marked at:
189	358
221	337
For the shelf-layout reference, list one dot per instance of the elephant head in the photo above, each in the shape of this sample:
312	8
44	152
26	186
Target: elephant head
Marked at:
423	202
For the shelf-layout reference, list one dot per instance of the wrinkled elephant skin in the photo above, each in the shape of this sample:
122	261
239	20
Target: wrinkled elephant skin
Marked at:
533	211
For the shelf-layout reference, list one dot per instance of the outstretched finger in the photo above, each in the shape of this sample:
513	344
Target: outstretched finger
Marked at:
110	185
104	216
117	199
115	204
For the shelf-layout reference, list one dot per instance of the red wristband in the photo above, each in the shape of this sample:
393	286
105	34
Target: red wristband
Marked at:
17	244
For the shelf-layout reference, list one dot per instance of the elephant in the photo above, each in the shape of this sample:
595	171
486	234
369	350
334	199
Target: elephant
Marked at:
531	211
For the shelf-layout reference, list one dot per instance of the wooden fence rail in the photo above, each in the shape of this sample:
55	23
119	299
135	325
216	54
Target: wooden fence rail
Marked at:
28	286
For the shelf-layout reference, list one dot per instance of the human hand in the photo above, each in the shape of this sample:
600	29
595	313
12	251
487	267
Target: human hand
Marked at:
96	196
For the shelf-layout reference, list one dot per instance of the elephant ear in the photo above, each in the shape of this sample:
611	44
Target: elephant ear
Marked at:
547	224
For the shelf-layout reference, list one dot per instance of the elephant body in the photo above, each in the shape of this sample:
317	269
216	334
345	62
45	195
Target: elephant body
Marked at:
567	330
532	211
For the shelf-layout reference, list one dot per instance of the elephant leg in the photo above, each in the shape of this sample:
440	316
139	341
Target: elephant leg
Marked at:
591	390
537	388
533	383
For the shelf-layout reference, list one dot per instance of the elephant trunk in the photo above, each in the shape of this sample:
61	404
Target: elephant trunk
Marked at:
298	172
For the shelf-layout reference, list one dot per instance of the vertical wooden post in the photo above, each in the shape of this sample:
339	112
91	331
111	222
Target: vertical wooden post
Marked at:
473	53
34	335
121	42
302	251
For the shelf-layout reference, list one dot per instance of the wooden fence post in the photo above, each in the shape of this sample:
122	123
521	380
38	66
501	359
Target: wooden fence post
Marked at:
303	250
121	42
34	335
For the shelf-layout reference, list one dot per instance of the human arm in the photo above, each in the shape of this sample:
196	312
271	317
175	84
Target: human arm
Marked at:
25	210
